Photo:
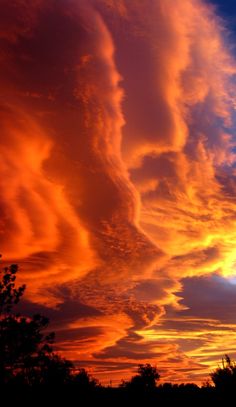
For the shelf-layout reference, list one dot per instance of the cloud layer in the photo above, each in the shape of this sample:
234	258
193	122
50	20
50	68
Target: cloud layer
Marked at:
118	177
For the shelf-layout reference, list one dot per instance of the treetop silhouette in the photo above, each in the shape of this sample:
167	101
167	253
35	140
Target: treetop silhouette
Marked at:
145	380
26	353
224	377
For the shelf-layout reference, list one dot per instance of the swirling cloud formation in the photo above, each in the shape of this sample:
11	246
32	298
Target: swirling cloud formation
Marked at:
118	178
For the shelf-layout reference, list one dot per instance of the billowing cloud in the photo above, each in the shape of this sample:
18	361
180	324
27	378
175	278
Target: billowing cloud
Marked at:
118	175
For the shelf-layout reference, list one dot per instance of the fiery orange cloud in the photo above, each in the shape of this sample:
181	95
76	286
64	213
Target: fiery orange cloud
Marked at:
118	176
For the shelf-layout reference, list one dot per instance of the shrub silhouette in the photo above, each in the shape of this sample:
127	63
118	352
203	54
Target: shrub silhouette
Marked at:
224	378
84	381
145	380
26	353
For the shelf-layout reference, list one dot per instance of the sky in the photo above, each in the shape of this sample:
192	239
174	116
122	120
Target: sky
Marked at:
118	178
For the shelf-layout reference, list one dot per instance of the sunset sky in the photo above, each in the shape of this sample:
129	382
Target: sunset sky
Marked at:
118	178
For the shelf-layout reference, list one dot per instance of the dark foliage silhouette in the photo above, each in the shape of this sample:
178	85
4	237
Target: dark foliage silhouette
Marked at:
84	381
145	380
26	353
224	377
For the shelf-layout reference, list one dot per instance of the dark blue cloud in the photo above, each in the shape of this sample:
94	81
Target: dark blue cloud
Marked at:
211	297
227	10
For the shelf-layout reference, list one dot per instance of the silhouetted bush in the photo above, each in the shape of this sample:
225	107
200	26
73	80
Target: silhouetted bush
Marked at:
224	377
84	381
145	380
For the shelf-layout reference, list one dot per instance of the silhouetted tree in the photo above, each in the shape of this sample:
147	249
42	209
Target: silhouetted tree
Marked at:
224	377
146	379
9	294
26	354
83	380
